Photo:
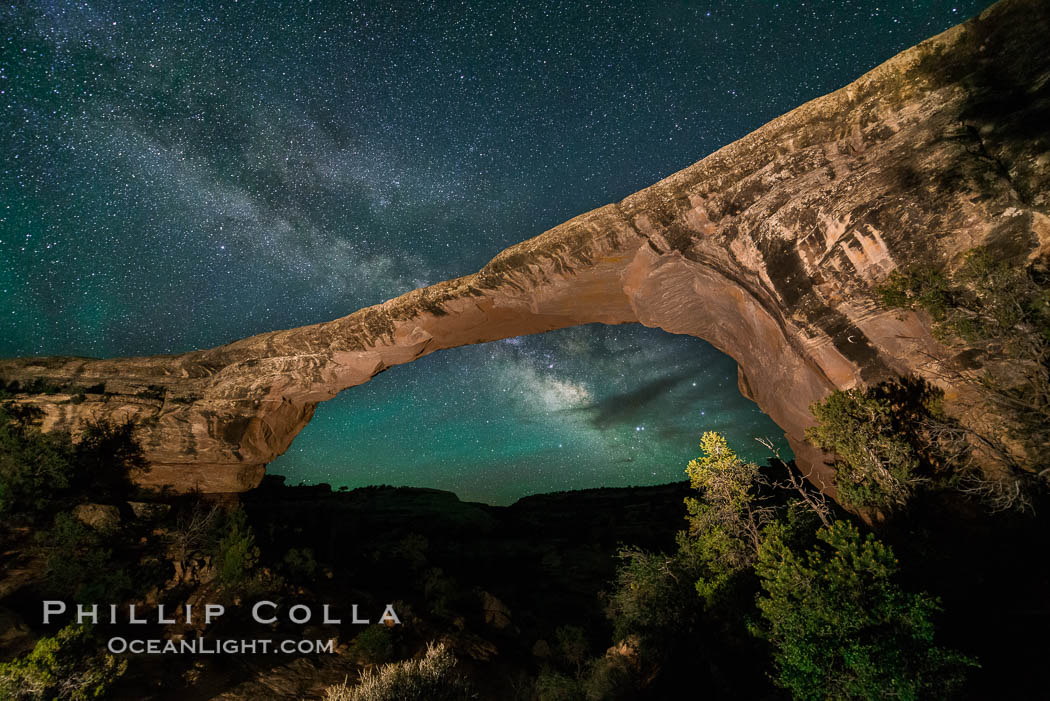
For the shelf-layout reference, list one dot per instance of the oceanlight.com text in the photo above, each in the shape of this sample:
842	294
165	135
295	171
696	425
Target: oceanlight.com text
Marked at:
204	646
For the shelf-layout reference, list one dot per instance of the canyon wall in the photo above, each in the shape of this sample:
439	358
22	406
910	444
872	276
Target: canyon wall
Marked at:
768	248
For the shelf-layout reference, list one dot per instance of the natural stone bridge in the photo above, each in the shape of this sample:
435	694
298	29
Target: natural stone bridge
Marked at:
768	248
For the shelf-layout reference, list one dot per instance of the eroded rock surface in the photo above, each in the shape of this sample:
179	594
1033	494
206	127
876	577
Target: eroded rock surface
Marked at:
768	248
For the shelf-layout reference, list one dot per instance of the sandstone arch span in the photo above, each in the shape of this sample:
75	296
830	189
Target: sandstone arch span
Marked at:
768	249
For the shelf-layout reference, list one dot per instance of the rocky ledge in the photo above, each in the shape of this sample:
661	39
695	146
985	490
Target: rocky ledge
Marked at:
769	248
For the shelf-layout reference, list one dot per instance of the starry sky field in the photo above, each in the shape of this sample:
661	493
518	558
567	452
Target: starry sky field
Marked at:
177	175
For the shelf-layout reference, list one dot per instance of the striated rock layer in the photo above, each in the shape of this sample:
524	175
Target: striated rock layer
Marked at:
769	249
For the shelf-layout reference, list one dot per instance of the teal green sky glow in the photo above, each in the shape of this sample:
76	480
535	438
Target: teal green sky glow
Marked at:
578	408
180	174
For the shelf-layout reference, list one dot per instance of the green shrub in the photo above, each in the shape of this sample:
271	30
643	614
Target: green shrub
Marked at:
842	628
552	685
67	666
1000	312
877	466
574	677
374	645
441	591
37	468
611	678
919	287
986	298
572	646
726	521
999	300
429	678
300	564
654	597
80	562
105	454
237	555
34	467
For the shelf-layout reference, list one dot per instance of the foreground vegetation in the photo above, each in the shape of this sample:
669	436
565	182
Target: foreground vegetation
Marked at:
432	677
996	316
758	587
69	665
821	600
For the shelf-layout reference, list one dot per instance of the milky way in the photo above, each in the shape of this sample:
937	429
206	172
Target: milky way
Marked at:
180	175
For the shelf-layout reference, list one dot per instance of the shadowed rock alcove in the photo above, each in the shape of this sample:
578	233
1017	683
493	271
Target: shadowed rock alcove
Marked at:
769	249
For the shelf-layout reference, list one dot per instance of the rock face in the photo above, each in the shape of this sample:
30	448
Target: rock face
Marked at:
769	249
101	517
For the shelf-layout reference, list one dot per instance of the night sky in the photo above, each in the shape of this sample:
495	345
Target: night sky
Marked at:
180	175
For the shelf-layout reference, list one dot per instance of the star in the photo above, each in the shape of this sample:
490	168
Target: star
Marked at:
177	178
